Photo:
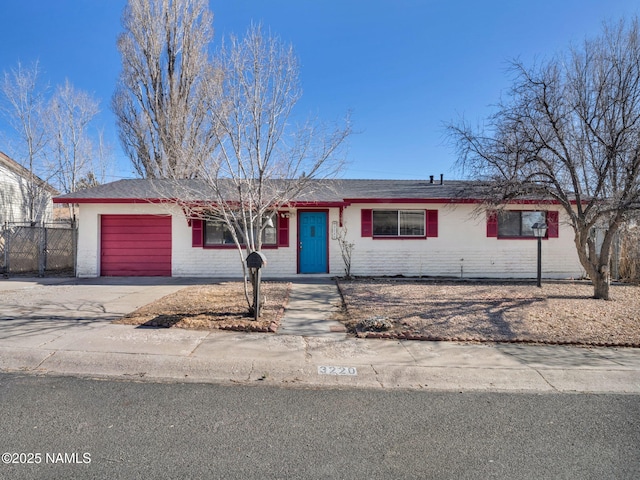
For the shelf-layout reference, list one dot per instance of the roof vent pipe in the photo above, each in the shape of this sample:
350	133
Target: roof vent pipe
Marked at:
441	179
430	178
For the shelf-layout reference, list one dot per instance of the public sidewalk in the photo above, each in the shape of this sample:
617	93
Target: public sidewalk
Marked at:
64	344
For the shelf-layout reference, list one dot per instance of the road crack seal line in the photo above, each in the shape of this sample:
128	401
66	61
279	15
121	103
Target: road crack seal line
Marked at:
199	342
253	366
307	353
44	360
307	347
545	380
408	351
376	373
525	364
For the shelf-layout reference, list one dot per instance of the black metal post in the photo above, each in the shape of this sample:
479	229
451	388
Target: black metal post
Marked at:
256	294
540	262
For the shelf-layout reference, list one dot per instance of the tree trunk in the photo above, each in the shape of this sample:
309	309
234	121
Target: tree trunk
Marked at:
245	276
601	281
596	263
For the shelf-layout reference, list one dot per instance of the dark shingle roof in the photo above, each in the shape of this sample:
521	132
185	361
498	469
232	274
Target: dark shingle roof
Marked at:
337	190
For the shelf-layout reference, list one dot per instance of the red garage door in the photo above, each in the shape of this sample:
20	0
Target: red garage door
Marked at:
135	245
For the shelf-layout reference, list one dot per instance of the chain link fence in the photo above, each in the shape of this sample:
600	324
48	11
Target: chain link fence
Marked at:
42	249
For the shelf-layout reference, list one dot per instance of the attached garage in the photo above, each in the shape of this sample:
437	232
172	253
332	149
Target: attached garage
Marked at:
135	245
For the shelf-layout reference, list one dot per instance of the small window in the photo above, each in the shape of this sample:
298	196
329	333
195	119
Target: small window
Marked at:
217	233
516	223
398	223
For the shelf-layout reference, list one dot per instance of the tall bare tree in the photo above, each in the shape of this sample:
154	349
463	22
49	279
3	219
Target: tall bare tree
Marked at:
72	152
159	101
24	107
262	161
570	130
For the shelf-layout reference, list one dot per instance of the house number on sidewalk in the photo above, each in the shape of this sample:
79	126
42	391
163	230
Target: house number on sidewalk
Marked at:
324	370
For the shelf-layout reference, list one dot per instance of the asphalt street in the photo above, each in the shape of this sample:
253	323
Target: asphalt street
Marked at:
84	428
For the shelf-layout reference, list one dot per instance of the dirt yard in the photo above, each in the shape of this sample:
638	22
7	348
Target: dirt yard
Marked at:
559	312
219	306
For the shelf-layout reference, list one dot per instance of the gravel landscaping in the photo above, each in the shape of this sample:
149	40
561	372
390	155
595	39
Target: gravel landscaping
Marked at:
557	313
219	306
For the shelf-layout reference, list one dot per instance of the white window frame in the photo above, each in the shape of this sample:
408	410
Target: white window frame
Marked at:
398	233
522	226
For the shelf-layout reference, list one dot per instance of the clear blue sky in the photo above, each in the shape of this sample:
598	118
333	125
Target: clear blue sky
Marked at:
403	67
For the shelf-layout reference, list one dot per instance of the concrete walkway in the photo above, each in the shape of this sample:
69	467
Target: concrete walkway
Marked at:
65	329
311	303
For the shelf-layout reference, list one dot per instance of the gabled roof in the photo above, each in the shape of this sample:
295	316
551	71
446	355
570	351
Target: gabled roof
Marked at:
343	191
18	169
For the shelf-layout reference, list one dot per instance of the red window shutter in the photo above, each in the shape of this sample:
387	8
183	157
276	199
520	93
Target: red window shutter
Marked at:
552	224
367	222
432	223
283	229
197	232
492	223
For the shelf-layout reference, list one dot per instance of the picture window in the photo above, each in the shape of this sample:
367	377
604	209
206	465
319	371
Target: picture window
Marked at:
398	223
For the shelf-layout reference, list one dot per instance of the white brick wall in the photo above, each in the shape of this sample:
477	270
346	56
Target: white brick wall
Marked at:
461	248
212	262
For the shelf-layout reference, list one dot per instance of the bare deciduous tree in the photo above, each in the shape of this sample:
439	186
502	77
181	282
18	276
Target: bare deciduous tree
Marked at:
261	162
51	135
570	131
159	101
72	152
24	107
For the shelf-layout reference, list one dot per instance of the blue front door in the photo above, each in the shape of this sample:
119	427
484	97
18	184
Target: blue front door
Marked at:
312	242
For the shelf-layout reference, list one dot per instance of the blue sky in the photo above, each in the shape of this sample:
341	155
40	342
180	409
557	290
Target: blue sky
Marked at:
402	67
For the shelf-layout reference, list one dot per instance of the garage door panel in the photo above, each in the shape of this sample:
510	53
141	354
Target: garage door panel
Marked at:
129	270
133	219
125	257
135	245
135	240
132	248
136	230
139	225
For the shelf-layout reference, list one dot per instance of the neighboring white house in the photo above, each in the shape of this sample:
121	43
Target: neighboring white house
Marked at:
398	227
22	200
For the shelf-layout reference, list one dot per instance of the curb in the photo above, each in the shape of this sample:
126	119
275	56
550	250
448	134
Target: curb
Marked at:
434	338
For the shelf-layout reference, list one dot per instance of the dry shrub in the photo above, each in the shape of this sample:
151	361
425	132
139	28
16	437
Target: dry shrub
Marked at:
629	263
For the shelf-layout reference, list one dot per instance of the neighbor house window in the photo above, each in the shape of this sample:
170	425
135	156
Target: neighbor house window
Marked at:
217	233
514	223
398	223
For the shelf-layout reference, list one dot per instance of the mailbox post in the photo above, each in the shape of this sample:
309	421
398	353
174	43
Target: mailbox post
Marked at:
255	262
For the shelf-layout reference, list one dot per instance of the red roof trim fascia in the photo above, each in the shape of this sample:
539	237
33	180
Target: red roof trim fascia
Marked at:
447	201
193	203
309	204
112	200
316	204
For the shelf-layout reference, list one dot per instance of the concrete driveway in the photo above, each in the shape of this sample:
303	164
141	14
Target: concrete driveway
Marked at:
43	309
